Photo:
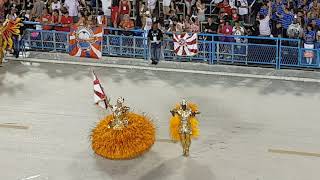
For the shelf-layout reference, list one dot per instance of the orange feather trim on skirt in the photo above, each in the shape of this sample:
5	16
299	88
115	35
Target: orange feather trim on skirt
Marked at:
175	124
128	143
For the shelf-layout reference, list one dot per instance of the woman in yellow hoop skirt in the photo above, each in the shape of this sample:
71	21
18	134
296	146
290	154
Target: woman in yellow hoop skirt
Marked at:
8	29
122	135
184	124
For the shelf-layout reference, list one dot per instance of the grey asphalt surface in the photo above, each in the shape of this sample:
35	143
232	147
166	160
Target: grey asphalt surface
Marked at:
242	118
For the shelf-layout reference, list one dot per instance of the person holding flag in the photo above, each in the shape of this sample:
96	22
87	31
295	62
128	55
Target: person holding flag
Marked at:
122	134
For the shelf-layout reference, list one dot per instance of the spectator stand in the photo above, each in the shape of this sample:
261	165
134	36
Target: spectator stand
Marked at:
213	48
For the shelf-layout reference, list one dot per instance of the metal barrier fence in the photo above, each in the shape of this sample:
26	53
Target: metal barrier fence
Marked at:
213	48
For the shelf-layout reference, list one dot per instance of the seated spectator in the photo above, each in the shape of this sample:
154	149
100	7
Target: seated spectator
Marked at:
55	16
278	31
83	20
212	26
126	24
66	21
194	26
55	5
225	28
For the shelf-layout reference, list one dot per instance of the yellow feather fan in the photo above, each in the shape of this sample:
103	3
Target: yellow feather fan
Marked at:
175	123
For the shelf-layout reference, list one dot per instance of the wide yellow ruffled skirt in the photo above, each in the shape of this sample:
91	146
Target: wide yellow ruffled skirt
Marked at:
128	143
175	124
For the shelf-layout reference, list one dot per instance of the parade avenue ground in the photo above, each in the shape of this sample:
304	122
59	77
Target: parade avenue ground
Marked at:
251	128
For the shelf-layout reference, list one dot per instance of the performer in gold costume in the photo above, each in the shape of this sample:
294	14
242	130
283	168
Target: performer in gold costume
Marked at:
8	29
123	134
184	125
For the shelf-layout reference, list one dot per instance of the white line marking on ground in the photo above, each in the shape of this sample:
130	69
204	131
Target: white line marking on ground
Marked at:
279	151
31	177
257	76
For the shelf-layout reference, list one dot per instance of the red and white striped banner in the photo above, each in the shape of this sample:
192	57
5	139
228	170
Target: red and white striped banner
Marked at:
99	95
185	45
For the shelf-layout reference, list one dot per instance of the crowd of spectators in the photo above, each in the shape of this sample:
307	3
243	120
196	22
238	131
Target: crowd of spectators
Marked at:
277	18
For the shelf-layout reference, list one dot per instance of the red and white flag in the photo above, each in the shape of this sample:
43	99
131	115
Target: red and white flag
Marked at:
185	45
99	95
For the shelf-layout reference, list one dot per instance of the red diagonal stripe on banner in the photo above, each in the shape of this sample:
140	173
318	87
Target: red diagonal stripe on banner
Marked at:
101	96
192	42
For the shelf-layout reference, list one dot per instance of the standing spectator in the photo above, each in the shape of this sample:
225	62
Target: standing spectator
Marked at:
115	14
235	16
2	10
264	27
151	5
73	9
166	7
317	44
201	10
28	5
309	39
295	30
287	18
155	37
46	19
225	7
189	4
147	23
12	15
37	9
124	8
243	10
55	5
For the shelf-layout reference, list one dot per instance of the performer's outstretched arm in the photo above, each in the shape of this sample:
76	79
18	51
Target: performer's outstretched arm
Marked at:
195	113
173	112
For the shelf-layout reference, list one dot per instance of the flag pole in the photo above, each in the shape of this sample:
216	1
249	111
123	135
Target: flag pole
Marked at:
105	102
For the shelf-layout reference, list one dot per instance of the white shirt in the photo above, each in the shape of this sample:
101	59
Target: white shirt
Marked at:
166	2
72	7
264	27
148	24
56	5
242	11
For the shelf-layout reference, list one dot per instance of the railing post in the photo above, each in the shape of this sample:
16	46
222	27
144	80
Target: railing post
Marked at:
279	47
41	35
277	54
54	41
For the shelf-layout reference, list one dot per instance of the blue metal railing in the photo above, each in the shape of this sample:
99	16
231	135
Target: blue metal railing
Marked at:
213	48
